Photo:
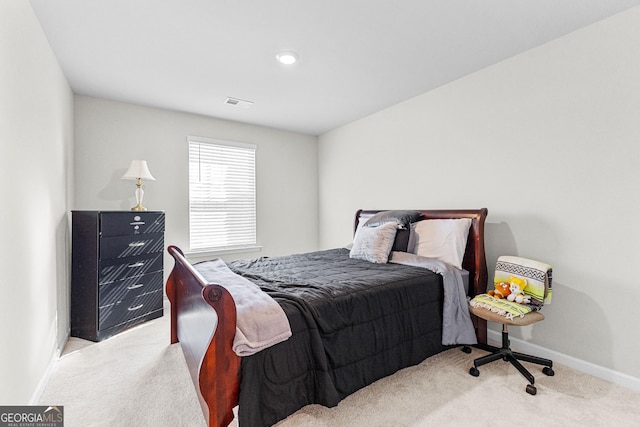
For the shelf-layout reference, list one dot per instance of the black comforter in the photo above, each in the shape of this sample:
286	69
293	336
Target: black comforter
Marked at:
353	322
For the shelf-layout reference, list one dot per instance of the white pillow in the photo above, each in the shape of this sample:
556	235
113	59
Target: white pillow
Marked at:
374	244
444	239
361	222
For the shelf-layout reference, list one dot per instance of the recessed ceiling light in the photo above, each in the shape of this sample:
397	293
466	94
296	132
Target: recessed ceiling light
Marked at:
287	58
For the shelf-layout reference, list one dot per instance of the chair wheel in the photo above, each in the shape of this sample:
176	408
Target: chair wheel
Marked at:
466	349
548	371
474	371
531	389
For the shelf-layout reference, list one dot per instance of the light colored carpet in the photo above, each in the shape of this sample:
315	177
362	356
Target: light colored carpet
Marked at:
138	379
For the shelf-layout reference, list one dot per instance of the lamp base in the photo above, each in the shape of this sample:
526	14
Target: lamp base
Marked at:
139	196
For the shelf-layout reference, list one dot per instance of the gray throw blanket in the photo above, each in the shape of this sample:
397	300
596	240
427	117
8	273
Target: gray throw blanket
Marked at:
261	322
457	327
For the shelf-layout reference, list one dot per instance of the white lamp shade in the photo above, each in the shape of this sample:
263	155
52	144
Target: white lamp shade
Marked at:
138	169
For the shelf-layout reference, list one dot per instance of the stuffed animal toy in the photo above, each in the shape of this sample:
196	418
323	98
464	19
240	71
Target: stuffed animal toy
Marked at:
501	290
516	288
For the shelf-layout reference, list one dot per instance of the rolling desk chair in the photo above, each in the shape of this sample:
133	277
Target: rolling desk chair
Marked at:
537	277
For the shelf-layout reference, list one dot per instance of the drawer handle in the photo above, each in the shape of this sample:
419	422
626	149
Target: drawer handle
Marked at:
137	223
137	307
136	244
137	264
131	287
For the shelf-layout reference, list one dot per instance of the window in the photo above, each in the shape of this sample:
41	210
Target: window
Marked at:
222	195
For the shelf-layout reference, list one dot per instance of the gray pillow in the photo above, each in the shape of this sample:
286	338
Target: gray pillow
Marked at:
402	217
374	244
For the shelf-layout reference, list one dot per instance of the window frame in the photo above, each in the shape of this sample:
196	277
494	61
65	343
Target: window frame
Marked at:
244	246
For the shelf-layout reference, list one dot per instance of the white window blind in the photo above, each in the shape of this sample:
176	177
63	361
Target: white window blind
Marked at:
222	194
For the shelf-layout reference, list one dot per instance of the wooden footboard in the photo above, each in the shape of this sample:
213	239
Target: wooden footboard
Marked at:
203	320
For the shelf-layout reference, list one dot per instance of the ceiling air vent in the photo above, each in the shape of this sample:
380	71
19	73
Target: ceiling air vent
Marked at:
238	102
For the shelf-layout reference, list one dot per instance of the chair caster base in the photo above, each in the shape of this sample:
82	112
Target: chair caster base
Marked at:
474	372
548	371
531	389
466	349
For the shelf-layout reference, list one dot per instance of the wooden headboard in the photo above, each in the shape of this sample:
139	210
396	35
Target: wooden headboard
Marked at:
474	261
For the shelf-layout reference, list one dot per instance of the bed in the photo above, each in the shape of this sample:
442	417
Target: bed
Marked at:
344	336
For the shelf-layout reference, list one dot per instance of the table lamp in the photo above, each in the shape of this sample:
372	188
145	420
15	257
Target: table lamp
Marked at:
138	170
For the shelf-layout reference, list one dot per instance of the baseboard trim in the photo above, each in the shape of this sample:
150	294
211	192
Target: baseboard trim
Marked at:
619	378
42	384
37	393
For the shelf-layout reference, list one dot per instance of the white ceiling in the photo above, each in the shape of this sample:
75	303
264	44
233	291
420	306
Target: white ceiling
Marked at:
356	56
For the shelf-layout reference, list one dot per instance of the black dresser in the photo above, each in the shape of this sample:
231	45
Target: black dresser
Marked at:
116	274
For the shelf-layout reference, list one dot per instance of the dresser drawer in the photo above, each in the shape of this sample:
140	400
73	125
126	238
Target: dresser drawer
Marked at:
126	246
125	310
112	270
130	223
129	288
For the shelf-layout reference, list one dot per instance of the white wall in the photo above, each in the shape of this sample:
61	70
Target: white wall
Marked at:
36	140
549	142
110	134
